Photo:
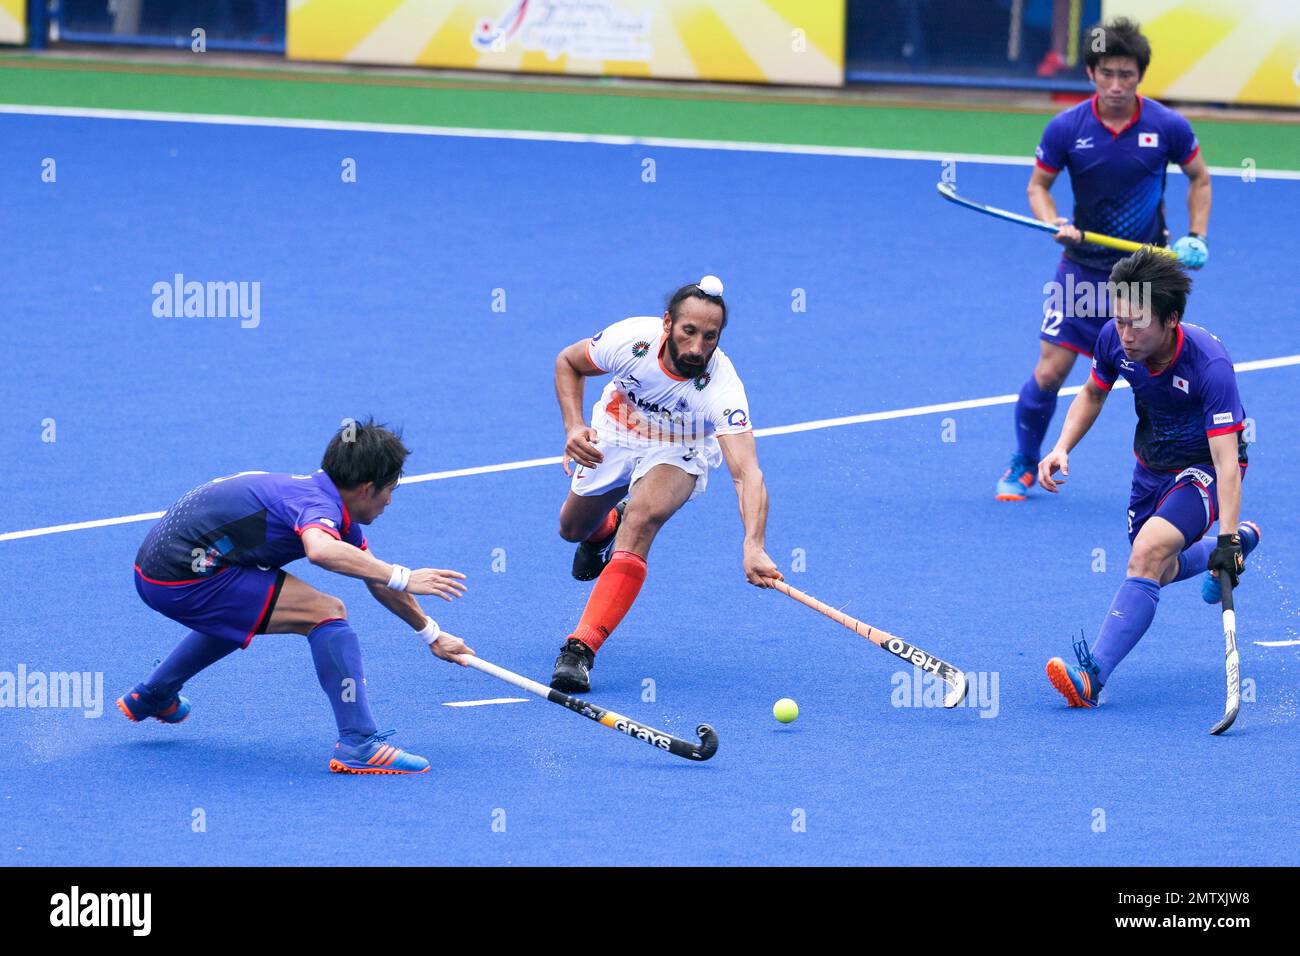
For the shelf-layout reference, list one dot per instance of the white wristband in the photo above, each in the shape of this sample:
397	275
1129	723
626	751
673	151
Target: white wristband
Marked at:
399	578
430	632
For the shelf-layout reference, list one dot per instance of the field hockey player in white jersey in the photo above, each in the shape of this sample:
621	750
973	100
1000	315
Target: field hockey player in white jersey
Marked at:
673	409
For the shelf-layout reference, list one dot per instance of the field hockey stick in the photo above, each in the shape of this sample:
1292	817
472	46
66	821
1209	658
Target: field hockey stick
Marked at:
949	192
702	749
952	676
1232	662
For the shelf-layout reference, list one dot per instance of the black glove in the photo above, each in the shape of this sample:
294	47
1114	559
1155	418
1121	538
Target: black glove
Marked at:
1227	558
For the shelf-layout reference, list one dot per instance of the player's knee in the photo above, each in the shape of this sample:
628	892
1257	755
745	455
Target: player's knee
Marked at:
331	608
1050	377
640	522
1146	560
571	532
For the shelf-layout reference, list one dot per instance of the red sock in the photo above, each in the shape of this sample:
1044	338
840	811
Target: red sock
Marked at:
615	590
606	527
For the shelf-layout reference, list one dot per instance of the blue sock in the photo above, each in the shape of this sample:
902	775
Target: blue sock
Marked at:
1034	411
1194	559
1127	620
337	655
195	652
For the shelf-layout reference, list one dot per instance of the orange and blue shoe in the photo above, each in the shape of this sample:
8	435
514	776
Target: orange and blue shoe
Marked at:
1079	685
1248	531
141	704
373	755
1017	479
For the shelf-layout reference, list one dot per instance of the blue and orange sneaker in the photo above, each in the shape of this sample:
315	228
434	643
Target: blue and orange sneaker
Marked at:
1211	593
1017	479
141	704
373	755
1078	685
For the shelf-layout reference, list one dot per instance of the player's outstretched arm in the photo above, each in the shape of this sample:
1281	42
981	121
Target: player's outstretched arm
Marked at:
572	368
751	493
441	643
1083	412
340	557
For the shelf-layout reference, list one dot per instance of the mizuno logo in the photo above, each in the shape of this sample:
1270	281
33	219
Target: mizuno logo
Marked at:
1083	142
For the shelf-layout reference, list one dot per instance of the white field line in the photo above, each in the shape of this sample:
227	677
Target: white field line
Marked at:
1282	361
552	136
484	703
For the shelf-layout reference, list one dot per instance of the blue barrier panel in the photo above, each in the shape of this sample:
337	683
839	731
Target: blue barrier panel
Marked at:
1024	44
247	25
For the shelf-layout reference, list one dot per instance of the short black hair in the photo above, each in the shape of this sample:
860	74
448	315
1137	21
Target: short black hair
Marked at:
1161	282
693	291
364	451
1120	37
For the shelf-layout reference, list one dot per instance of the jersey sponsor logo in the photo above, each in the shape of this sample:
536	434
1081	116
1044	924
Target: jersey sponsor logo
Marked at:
662	426
1181	384
1223	418
736	417
1151	140
641	349
1125	365
327	522
1083	142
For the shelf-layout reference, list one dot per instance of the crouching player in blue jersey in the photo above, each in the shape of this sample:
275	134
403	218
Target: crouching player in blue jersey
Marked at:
1191	459
214	564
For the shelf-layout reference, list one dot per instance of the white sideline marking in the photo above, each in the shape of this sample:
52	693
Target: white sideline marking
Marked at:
1256	365
1277	643
551	136
484	703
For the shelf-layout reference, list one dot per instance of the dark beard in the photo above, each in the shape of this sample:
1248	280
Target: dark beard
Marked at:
689	371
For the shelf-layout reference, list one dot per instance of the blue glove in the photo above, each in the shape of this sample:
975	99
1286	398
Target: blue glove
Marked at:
1192	250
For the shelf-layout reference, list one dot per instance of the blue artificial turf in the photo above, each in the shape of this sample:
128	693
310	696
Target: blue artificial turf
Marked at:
376	297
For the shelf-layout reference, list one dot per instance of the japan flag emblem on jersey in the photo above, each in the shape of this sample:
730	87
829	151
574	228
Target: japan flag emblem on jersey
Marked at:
1181	384
1149	139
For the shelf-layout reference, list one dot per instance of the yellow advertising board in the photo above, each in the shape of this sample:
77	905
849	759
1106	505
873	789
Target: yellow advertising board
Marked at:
13	21
1219	51
751	41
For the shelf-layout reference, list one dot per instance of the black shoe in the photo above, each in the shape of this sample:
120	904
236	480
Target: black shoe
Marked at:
592	556
573	668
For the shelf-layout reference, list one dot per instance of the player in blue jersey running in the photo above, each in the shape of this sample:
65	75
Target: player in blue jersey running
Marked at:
1191	459
214	564
1117	146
